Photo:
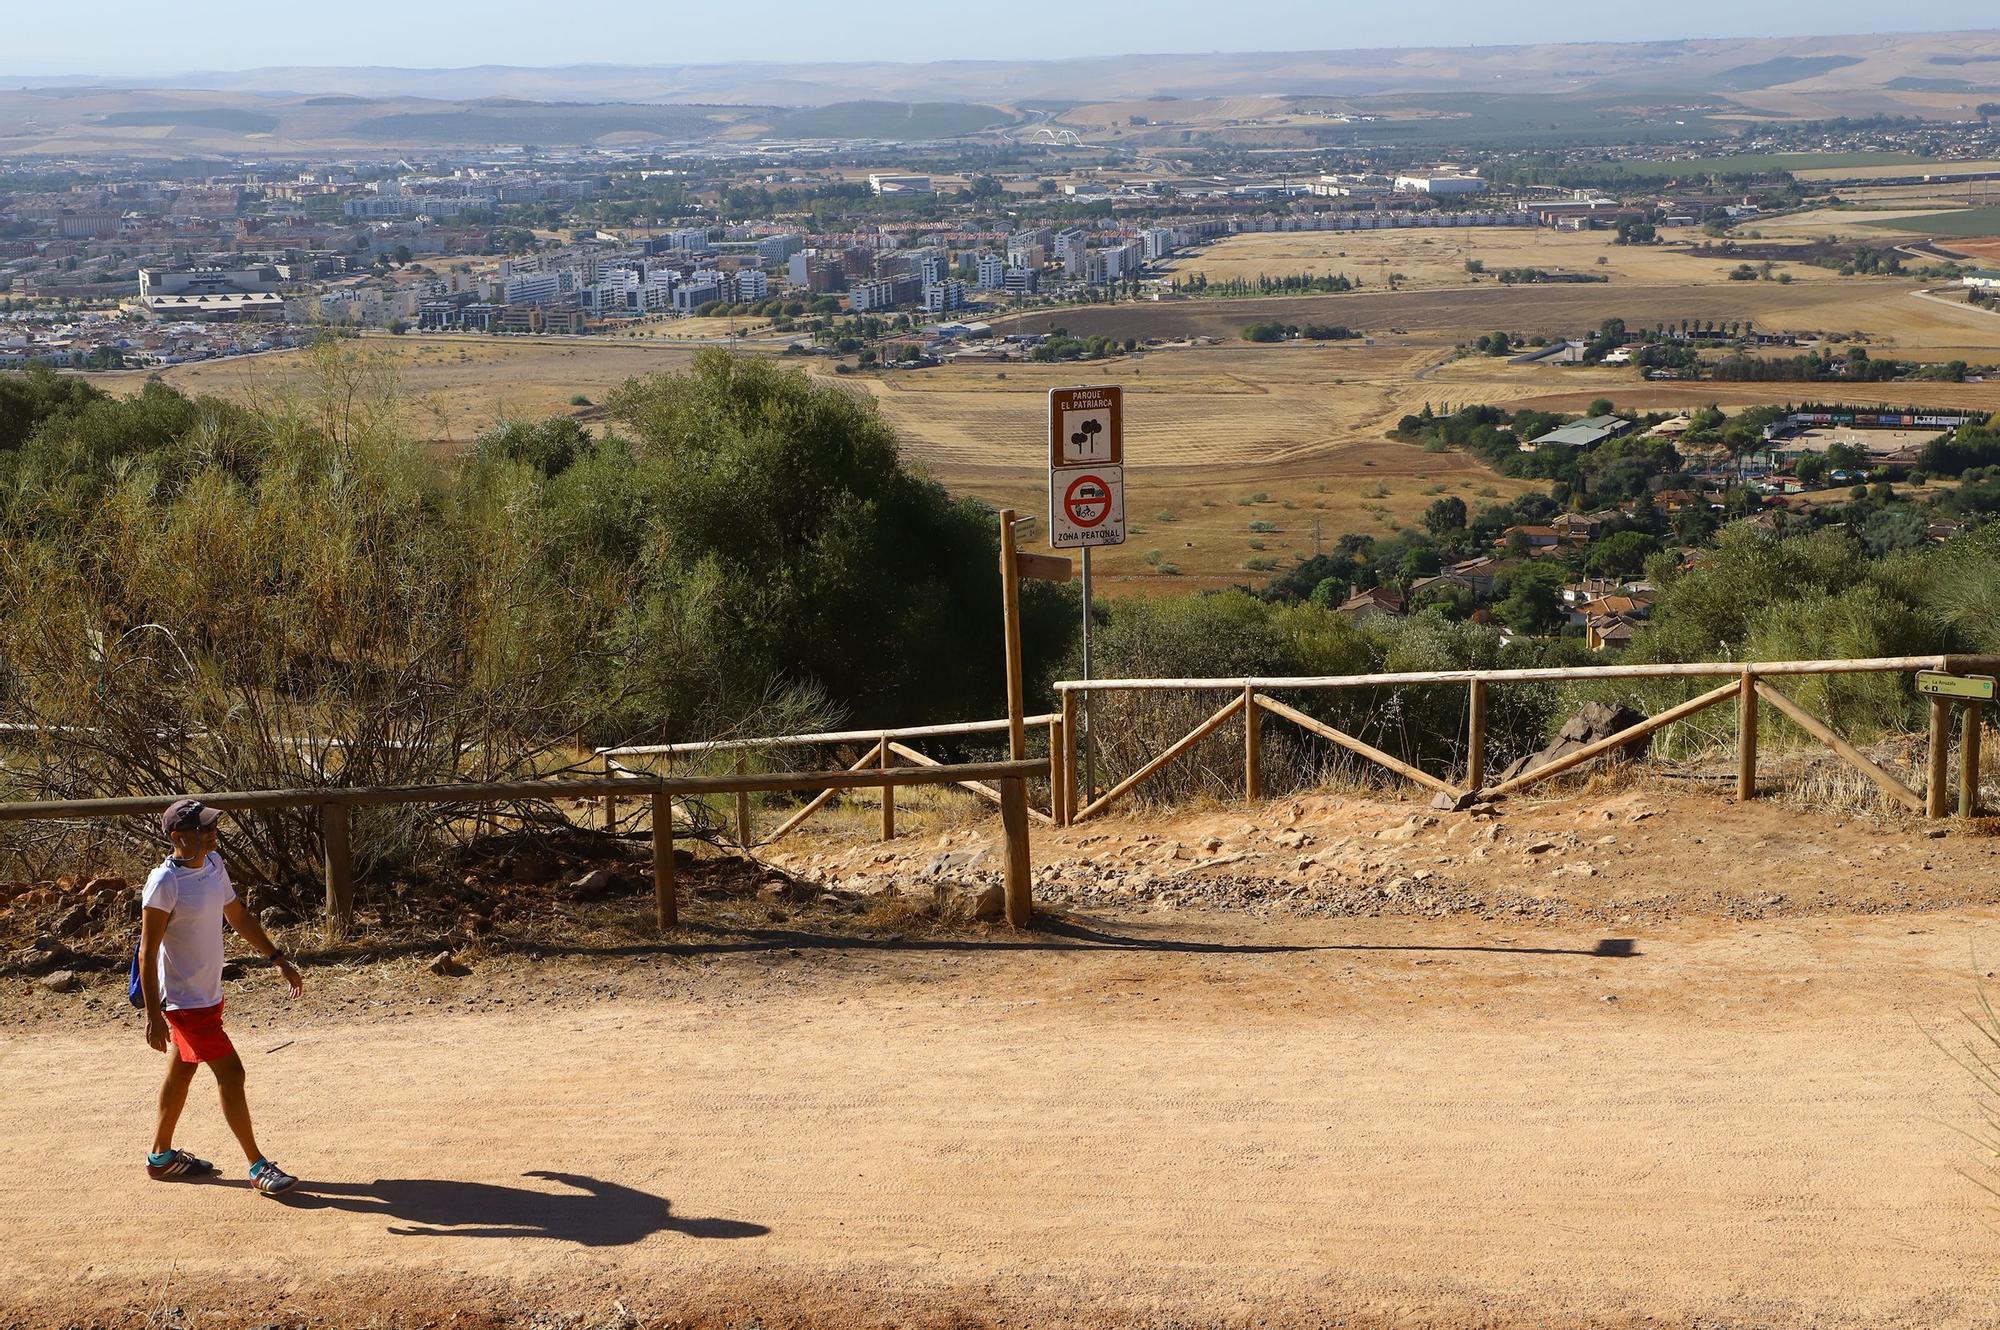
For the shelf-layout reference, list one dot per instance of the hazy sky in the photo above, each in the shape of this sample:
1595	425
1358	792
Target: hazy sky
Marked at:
126	38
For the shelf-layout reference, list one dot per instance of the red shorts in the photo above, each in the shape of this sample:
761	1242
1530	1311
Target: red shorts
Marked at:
198	1033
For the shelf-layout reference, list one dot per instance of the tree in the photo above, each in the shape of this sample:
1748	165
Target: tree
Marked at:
1445	515
1622	554
1599	407
1532	599
1329	592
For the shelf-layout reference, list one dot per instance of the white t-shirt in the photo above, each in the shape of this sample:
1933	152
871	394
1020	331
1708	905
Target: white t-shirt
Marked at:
191	954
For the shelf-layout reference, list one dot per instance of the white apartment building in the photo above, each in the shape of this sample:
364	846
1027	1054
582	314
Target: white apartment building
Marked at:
879	293
701	288
990	271
535	288
752	284
1069	249
774	250
945	296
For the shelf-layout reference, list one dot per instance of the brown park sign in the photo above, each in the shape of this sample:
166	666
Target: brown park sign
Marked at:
1086	427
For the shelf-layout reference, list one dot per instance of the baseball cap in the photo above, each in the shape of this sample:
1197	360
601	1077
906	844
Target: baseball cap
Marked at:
188	815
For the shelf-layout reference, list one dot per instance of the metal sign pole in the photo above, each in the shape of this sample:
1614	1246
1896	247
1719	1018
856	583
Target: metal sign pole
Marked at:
1083	712
1086	505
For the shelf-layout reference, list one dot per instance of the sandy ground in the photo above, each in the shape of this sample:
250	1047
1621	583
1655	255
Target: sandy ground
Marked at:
1135	1116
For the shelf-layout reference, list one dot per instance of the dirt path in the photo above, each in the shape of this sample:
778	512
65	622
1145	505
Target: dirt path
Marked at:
1153	1118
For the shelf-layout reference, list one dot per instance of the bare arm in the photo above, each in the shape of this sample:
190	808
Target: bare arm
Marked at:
152	932
246	924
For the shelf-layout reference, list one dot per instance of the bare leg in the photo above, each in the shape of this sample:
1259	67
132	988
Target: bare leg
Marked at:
235	1106
173	1097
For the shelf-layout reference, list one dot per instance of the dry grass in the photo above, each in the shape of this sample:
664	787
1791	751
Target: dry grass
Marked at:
452	387
1430	258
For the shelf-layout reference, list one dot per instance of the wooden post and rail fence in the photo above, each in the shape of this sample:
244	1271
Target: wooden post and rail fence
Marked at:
1748	683
884	748
335	805
1005	783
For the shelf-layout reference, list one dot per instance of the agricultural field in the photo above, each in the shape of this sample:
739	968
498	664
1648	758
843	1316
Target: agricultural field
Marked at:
1972	223
1893	165
1215	439
1430	258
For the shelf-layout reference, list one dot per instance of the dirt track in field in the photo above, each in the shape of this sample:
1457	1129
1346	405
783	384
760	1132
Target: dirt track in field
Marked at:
1139	1118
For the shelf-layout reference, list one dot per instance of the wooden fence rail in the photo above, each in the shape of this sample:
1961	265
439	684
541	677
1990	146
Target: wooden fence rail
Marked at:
335	805
1746	682
881	755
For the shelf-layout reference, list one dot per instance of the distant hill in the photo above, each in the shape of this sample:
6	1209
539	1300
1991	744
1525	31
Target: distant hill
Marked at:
1550	93
1854	63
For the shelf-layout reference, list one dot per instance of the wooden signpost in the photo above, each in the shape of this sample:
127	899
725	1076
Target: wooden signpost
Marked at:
1974	691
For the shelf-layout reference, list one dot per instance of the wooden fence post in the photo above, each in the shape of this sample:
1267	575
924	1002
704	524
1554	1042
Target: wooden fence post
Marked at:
883	761
1014	821
666	910
1968	759
610	800
742	806
1068	760
1746	739
1253	746
1939	775
1056	796
333	832
1475	735
1010	614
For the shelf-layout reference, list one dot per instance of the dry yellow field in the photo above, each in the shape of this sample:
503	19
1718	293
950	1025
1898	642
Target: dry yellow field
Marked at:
1849	223
1430	258
1889	172
700	330
1207	430
451	388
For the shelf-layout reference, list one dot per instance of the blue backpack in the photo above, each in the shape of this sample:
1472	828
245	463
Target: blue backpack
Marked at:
134	990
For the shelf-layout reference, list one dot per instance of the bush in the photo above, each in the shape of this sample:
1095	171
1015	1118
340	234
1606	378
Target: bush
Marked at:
317	598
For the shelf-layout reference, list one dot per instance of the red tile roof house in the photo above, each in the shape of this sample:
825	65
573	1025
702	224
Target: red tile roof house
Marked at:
1607	631
1374	603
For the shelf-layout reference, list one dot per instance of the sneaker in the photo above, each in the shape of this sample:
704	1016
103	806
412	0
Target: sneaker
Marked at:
268	1178
179	1165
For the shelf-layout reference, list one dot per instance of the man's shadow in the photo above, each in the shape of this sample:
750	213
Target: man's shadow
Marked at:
593	1214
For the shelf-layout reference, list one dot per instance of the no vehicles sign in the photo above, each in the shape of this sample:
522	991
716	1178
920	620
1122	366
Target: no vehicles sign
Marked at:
1087	506
1086	468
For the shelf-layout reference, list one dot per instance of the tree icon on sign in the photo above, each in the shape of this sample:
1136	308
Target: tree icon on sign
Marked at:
1086	434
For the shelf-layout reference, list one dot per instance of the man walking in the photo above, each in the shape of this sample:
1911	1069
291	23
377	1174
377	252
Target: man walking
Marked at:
187	901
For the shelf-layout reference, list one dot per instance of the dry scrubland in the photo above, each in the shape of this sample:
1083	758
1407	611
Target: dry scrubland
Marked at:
1211	427
452	387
